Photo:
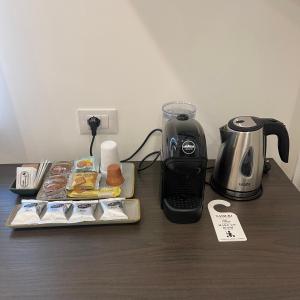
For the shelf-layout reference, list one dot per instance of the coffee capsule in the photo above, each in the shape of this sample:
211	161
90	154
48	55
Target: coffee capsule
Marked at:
114	175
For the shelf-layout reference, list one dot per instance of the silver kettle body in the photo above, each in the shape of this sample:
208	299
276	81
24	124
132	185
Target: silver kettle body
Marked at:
240	163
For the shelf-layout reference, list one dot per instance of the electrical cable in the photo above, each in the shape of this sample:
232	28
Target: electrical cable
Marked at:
91	145
142	145
152	162
208	168
94	123
140	168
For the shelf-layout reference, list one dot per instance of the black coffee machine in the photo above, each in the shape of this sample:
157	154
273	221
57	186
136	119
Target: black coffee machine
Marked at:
183	169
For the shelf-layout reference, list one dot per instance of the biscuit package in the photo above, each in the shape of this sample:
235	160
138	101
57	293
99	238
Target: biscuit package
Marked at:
29	213
113	209
84	181
54	185
105	192
83	211
56	212
61	167
86	164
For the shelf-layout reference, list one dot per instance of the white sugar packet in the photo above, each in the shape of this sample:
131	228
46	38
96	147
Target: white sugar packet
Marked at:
83	211
29	213
113	209
56	212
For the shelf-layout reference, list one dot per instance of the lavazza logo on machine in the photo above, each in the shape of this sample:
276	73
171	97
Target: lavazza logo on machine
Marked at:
188	147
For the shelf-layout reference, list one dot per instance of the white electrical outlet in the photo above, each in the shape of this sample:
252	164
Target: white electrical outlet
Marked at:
107	116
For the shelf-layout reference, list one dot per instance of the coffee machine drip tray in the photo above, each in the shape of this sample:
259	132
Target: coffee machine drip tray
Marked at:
183	201
182	208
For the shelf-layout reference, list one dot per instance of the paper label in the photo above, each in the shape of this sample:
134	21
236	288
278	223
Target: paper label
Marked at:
25	177
227	225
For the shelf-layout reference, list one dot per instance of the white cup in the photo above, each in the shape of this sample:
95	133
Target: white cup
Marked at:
109	155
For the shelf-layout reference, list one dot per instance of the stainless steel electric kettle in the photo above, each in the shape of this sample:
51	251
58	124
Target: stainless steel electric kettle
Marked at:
241	160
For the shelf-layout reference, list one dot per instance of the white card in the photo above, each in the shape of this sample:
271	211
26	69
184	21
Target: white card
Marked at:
227	225
25	177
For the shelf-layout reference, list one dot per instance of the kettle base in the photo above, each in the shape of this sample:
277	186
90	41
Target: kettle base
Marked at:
235	195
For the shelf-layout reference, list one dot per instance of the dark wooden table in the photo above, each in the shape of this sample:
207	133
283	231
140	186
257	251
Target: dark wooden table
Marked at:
157	259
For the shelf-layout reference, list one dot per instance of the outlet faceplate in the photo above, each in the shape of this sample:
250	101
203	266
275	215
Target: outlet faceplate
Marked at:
107	116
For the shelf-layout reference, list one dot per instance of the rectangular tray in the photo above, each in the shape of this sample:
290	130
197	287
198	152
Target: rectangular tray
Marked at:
131	208
127	188
23	192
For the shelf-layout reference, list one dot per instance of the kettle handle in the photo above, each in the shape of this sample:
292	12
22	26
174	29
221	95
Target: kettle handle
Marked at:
273	126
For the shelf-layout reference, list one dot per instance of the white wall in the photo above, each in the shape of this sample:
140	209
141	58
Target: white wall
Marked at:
293	169
296	179
12	146
294	132
228	57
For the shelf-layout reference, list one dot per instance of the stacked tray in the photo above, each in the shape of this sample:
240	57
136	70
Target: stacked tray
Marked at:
54	188
127	188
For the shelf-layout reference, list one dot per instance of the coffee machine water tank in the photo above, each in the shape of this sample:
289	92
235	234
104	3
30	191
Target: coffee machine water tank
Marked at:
183	165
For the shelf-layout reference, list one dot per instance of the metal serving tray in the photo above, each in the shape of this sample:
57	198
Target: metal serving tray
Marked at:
131	208
127	188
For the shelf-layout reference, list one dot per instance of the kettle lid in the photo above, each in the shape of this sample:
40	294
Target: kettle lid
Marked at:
245	123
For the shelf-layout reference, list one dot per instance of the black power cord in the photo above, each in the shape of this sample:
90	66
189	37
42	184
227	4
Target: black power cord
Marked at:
140	168
94	123
209	168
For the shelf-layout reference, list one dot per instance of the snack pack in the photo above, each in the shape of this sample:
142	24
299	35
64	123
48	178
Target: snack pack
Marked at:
54	187
113	209
56	212
86	164
61	167
84	181
29	213
106	192
83	211
54	183
109	192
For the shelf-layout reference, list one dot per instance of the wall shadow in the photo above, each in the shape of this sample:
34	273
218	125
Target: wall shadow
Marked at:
220	54
12	148
294	140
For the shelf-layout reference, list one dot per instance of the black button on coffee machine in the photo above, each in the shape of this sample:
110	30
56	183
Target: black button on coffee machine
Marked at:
183	165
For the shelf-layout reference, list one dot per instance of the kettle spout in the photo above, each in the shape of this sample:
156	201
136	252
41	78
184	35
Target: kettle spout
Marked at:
224	134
